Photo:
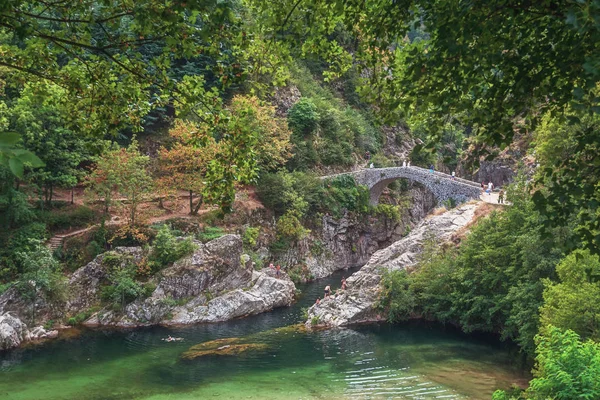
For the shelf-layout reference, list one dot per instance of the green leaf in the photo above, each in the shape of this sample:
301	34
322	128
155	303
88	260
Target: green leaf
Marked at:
9	139
28	157
16	166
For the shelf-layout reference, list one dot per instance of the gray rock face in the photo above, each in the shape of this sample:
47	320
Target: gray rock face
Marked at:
85	283
358	302
214	266
265	293
12	331
210	285
350	243
494	171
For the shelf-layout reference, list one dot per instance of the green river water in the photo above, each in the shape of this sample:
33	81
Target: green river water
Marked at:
411	361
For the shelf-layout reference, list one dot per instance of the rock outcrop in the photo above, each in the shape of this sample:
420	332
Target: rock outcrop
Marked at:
13	332
350	242
86	282
211	285
358	302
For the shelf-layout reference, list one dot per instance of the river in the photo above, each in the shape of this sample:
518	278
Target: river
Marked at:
407	361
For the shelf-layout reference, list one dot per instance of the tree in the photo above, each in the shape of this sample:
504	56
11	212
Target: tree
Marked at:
184	165
566	368
210	159
41	276
273	146
428	57
574	303
114	58
121	171
38	116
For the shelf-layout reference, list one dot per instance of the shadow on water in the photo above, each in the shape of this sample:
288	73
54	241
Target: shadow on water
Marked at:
415	360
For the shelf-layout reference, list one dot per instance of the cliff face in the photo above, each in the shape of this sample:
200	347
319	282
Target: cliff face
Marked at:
350	242
358	302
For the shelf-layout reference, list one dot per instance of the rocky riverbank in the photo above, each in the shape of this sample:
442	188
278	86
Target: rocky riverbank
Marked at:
216	283
358	303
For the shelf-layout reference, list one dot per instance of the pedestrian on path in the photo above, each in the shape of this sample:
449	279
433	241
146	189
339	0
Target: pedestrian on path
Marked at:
490	188
404	164
278	271
501	197
408	165
453	175
431	168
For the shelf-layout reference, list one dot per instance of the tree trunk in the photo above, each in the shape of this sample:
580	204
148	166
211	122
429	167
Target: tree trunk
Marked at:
197	208
72	195
191	203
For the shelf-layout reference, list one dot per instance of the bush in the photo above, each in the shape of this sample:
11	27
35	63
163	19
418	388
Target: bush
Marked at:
250	236
167	249
123	288
344	194
397	298
289	227
388	211
210	233
303	117
21	240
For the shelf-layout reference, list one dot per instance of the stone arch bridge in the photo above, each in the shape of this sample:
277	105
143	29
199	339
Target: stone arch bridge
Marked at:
441	185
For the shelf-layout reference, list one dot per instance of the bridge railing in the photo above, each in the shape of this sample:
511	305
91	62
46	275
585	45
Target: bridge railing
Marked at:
448	176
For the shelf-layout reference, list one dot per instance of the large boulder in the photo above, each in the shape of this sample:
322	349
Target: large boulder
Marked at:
214	267
358	303
12	331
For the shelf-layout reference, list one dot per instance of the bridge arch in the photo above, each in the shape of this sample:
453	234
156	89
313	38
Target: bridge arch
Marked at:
441	185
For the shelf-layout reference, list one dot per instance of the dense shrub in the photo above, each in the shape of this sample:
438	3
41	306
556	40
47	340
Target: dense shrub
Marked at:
166	249
20	240
344	194
566	368
290	227
303	117
250	236
389	211
210	233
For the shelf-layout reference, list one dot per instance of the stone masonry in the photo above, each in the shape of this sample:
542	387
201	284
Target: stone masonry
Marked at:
441	185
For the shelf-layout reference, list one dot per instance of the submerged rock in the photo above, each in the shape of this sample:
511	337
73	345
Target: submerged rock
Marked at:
358	303
222	347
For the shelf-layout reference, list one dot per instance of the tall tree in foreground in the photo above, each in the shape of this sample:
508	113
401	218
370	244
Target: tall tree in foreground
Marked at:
115	59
